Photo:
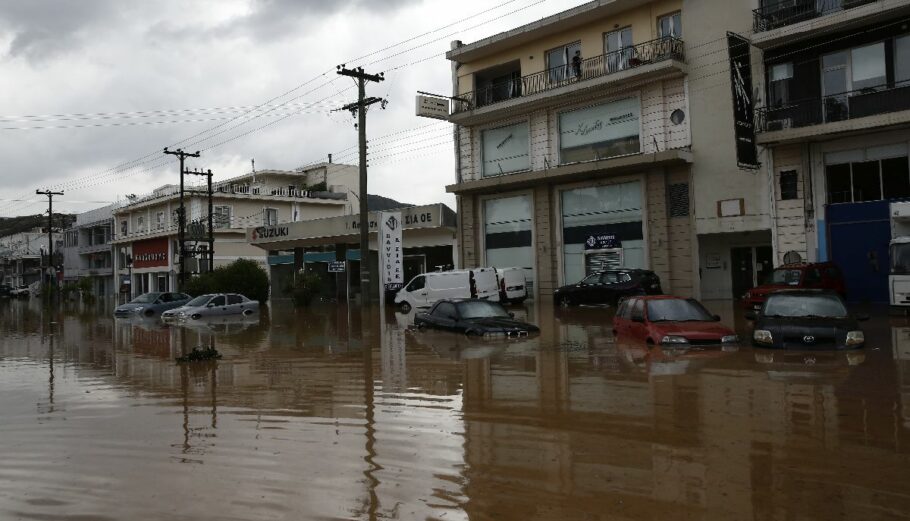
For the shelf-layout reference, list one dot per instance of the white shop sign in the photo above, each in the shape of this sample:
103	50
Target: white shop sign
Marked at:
391	253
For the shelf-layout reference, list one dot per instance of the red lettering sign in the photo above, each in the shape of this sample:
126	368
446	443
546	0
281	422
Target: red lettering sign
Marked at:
151	253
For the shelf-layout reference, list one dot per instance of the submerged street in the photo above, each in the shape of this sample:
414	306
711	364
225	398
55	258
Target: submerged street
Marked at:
318	414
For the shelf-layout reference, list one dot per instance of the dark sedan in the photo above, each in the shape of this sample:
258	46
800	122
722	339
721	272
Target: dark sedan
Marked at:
474	317
806	320
608	287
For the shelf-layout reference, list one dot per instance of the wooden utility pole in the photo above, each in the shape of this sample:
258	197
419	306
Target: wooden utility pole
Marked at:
181	214
360	107
210	235
52	276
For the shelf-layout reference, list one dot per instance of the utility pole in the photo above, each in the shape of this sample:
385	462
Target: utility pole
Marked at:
181	214
52	276
360	107
210	236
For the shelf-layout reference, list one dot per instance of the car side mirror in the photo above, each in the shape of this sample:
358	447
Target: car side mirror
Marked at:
210	305
862	317
750	315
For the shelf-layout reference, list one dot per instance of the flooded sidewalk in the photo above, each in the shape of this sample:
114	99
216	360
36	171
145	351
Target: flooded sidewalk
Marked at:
328	413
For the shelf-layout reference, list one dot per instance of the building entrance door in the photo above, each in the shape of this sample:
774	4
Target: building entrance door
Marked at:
742	270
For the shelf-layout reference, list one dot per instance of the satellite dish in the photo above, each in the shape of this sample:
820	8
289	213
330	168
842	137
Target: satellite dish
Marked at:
792	257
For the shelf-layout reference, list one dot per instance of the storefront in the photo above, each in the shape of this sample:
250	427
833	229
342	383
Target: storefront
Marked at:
151	268
324	246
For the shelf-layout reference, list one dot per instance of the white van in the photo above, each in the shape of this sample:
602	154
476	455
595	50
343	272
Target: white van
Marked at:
513	287
424	290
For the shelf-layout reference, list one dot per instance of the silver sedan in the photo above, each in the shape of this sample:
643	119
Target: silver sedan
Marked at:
214	304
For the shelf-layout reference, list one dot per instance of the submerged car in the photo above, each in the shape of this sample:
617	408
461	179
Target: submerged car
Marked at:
807	320
213	304
474	317
149	304
608	287
817	275
670	321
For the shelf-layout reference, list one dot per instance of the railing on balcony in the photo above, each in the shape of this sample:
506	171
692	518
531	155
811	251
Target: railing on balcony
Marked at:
598	66
838	107
788	12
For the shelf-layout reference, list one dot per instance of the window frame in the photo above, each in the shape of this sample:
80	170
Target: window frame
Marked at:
670	16
265	213
215	216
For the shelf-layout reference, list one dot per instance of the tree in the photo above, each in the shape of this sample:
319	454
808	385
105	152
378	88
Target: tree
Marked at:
243	276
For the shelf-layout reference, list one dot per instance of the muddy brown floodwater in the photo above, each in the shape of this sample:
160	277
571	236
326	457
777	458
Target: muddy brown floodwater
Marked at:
321	414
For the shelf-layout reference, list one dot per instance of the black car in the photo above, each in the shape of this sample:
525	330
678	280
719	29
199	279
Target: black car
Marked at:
5	290
806	320
474	317
608	287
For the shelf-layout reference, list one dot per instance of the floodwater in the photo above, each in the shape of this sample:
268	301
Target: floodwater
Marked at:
321	414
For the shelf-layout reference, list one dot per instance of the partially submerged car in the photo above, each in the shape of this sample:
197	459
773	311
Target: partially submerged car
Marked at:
213	304
149	304
474	317
608	287
817	275
806	320
670	321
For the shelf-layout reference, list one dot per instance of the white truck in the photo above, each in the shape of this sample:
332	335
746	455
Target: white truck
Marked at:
899	255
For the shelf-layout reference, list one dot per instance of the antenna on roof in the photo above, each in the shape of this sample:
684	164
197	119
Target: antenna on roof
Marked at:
253	163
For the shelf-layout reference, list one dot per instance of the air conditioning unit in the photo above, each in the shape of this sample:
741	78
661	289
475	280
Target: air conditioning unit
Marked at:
778	124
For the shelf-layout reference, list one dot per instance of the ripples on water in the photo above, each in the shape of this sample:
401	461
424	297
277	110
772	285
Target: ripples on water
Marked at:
300	421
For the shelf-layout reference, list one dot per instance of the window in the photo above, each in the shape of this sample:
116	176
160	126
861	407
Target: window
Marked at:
559	61
218	301
868	174
868	66
505	150
866	181
779	78
221	217
813	277
902	60
789	187
625	309
507	231
638	310
418	283
159	220
446	310
839	186
669	26
270	216
618	48
599	132
140	223
234	299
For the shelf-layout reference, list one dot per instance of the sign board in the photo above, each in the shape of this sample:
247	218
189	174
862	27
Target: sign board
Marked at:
391	253
604	241
713	261
432	107
150	253
743	103
336	267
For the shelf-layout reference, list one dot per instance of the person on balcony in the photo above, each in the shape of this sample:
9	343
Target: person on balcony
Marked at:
576	65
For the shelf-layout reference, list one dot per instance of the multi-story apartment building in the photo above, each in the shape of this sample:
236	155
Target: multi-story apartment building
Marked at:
145	229
834	121
603	136
87	250
21	257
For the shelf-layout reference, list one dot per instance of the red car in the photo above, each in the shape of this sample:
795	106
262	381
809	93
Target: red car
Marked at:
819	275
670	321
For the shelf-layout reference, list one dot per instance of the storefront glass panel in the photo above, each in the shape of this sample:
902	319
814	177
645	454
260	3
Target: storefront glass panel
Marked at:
599	132
507	233
602	221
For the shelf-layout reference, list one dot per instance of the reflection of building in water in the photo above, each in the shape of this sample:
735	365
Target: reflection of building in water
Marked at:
900	343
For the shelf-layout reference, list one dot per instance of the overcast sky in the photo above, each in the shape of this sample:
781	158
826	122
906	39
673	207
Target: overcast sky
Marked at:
113	82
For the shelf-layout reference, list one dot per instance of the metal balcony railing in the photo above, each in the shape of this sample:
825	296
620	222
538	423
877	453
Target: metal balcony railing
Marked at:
838	107
788	12
598	66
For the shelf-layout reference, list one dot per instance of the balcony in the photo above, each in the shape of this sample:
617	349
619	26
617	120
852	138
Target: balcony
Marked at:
788	22
856	110
619	64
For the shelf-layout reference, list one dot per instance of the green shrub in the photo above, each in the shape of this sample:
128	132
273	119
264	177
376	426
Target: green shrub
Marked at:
305	288
242	276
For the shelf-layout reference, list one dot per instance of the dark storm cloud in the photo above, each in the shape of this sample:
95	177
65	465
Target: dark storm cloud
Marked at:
270	19
44	28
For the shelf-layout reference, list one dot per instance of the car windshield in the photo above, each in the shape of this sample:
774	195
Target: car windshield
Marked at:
146	298
677	310
786	276
199	301
782	305
480	309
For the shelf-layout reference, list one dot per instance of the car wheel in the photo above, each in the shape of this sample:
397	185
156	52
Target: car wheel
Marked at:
472	332
247	312
149	312
405	307
564	302
195	316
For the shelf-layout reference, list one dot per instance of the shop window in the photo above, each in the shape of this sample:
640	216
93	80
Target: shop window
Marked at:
508	231
866	181
895	178
505	150
789	185
679	199
838	182
600	132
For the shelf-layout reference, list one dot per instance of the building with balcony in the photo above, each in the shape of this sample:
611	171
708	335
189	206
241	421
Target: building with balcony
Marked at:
835	123
87	250
585	141
22	256
146	250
